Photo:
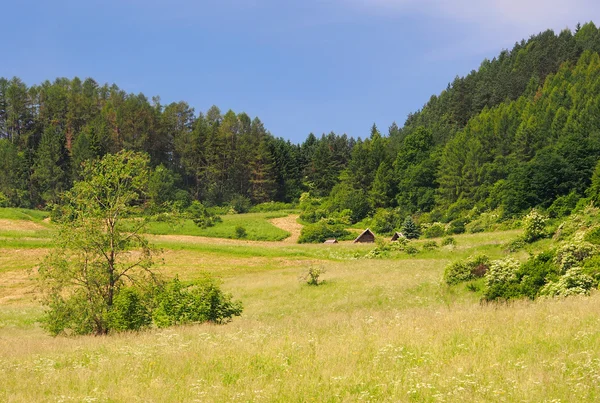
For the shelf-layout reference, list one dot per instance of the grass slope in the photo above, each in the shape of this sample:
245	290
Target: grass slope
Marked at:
376	330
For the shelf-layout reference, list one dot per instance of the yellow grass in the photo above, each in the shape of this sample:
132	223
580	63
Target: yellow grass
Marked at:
377	330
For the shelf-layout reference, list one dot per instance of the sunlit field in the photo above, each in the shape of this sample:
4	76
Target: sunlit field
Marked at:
376	330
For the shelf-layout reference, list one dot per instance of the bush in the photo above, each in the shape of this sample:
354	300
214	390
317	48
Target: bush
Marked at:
448	241
201	216
515	245
457	226
240	232
572	254
593	236
574	282
411	250
430	245
536	273
409	229
501	280
240	204
312	276
196	302
470	269
321	231
435	230
534	225
563	205
271	206
4	201
130	311
384	221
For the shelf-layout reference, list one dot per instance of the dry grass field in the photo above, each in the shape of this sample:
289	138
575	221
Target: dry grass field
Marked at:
377	330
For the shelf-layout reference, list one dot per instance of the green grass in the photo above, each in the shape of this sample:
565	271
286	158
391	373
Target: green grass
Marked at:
257	226
10	213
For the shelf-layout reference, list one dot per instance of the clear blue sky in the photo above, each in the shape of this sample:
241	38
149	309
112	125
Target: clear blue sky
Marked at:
301	66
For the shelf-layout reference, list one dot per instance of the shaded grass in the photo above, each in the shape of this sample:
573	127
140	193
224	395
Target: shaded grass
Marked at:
257	226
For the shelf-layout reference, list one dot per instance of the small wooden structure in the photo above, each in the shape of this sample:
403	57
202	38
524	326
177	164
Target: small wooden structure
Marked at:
396	236
367	236
331	241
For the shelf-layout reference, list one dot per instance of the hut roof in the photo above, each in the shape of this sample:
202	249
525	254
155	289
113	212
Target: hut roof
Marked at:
366	236
396	236
331	241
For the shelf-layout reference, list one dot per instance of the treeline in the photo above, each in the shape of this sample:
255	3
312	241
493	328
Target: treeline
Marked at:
521	131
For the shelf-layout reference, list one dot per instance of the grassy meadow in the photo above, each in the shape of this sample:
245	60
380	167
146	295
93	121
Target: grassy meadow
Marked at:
378	330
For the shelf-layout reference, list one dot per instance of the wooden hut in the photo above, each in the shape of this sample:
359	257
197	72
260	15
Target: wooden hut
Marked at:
331	241
367	236
396	236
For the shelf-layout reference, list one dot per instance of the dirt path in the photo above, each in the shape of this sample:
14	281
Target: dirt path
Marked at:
290	225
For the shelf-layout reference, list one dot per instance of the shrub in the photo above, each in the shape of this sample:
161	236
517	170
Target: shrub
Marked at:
240	204
240	232
501	280
574	282
563	205
196	302
515	245
537	272
593	236
321	231
534	225
4	201
130	311
384	221
312	276
470	269
457	226
572	254
448	241
410	229
411	250
201	216
271	206
430	245
435	230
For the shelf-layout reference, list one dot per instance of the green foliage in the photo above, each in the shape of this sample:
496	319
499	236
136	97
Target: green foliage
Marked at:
501	281
435	230
240	204
92	261
515	245
457	226
131	310
240	232
430	245
411	250
196	302
573	282
201	216
448	241
321	231
536	273
534	225
271	206
466	270
4	202
563	205
410	229
313	275
593	236
384	221
572	254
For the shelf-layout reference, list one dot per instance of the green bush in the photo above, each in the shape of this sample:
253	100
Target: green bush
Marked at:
201	216
411	250
574	282
240	232
469	269
563	205
313	276
534	225
573	254
240	204
536	272
457	226
130	311
501	281
435	230
448	241
4	201
196	302
430	245
384	221
321	231
515	245
593	236
271	206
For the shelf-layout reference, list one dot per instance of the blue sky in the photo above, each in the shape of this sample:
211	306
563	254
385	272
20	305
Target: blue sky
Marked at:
301	66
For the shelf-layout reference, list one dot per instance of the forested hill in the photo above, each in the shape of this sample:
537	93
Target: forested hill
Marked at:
521	131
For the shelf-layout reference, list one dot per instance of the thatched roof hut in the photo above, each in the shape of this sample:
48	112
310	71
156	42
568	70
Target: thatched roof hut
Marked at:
396	236
331	241
367	236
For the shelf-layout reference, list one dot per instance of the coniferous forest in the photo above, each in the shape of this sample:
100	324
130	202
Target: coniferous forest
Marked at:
521	131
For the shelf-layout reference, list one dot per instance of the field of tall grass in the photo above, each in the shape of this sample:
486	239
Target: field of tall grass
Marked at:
376	330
